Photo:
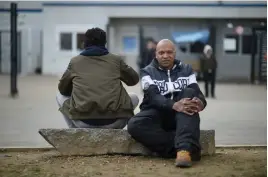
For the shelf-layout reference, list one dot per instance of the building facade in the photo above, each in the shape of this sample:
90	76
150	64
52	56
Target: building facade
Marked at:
51	32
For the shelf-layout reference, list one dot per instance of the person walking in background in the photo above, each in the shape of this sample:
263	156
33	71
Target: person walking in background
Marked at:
148	54
91	94
208	64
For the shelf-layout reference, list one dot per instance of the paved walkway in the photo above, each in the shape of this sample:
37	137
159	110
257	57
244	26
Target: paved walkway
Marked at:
238	115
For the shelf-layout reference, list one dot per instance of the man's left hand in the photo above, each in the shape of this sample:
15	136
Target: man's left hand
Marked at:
199	104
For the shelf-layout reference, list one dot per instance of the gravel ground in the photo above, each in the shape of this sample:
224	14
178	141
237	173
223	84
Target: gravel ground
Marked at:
226	163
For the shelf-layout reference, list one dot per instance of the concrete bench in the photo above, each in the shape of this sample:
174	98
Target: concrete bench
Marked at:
108	141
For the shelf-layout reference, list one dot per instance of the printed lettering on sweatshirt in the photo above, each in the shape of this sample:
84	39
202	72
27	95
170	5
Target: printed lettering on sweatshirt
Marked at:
166	87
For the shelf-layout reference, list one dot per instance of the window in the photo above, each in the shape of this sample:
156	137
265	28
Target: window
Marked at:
247	44
80	41
230	44
197	47
183	48
66	41
129	44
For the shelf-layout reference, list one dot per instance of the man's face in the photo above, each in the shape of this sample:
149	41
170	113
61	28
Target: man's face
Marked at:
209	53
150	45
165	55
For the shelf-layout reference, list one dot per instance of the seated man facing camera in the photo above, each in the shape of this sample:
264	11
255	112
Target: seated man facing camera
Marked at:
91	94
168	122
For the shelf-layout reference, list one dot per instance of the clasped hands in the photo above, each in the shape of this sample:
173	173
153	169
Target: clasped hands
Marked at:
189	106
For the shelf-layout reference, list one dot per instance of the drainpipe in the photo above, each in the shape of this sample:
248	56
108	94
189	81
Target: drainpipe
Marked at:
13	54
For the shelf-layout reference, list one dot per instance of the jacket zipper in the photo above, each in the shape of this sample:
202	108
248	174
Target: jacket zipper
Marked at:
170	83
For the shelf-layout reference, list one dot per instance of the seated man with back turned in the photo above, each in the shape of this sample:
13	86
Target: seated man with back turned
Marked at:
91	94
168	123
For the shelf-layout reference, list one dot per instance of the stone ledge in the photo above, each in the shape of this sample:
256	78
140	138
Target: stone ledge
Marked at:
108	141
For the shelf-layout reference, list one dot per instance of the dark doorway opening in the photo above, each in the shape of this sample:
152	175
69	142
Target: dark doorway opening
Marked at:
258	55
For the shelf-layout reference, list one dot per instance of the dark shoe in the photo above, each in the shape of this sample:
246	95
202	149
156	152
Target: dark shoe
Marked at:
183	159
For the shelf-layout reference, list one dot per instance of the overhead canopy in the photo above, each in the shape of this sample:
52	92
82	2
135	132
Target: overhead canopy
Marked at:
191	37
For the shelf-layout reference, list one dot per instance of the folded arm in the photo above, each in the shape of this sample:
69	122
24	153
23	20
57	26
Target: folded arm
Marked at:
152	92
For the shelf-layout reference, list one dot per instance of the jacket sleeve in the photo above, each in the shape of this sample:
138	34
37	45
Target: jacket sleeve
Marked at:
128	75
194	85
151	91
65	85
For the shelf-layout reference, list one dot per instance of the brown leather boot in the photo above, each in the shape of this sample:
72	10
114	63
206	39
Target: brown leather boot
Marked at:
183	159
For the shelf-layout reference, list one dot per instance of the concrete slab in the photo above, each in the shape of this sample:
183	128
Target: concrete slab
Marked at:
238	115
108	141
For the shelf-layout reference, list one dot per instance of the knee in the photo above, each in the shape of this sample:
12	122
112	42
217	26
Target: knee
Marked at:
60	99
132	126
188	93
135	99
188	122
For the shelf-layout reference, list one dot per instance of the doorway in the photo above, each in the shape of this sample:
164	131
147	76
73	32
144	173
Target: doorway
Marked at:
258	55
5	49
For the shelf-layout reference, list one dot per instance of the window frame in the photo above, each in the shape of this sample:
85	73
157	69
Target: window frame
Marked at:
60	42
74	29
76	42
238	43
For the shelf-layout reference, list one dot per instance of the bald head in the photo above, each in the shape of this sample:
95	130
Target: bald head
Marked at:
165	53
165	43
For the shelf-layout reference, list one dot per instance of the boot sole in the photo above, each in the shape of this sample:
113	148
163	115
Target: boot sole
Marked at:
183	164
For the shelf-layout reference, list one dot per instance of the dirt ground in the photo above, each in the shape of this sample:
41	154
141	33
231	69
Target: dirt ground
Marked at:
226	163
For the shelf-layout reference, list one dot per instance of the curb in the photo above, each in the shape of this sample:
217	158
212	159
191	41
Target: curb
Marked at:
45	149
26	149
241	146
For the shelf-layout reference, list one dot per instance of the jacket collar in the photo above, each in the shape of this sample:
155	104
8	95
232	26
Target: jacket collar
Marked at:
94	51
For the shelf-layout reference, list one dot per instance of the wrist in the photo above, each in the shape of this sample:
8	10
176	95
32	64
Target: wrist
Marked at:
171	104
177	107
174	106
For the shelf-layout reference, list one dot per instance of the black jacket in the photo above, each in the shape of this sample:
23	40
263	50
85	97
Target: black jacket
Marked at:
208	63
162	88
146	58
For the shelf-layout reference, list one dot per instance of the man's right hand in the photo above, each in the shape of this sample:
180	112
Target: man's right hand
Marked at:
186	105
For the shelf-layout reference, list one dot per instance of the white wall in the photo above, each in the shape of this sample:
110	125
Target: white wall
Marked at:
55	61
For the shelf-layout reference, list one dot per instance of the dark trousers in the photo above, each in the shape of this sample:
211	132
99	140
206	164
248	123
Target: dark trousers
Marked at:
209	79
166	132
